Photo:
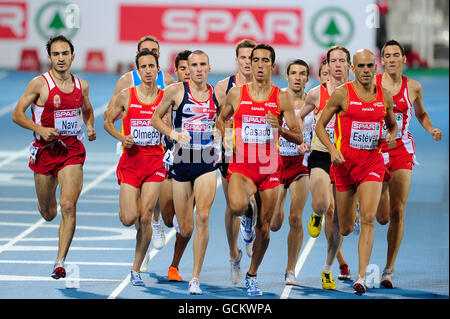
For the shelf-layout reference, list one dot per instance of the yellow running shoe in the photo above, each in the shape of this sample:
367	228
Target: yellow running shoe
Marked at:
327	280
315	225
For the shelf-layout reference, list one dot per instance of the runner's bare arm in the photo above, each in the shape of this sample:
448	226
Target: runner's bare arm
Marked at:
120	105
173	96
228	108
19	117
335	104
125	81
220	90
389	119
168	79
419	110
88	112
293	134
311	101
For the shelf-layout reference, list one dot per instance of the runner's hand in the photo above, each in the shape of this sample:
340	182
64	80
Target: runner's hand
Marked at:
127	141
273	120
303	148
48	133
181	137
436	134
390	140
337	157
92	136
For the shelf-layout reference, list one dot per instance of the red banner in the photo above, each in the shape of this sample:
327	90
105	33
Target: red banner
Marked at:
13	20
211	25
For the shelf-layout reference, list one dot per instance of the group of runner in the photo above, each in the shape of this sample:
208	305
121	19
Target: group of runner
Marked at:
346	142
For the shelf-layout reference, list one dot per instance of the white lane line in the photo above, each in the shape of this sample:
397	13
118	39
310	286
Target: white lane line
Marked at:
24	152
26	232
52	262
300	262
153	253
8	108
34	278
299	265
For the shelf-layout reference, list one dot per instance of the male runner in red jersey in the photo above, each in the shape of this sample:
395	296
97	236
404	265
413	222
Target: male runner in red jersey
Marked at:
407	95
140	170
360	107
257	109
59	103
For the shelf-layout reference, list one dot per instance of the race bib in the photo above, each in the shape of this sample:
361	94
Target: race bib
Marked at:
255	129
287	148
68	122
144	133
201	134
399	120
365	135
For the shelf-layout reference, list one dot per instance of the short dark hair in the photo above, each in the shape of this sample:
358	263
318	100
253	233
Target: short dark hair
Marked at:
58	38
324	62
182	56
392	42
298	62
343	49
264	46
144	53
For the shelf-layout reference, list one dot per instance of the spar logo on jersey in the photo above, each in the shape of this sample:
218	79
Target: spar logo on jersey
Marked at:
67	113
140	122
197	24
13	20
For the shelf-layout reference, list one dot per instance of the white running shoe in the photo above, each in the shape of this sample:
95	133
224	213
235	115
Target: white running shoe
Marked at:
194	287
247	230
158	237
386	278
236	272
360	286
289	278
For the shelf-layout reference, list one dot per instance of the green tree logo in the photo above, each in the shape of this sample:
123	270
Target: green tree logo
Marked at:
332	26
51	20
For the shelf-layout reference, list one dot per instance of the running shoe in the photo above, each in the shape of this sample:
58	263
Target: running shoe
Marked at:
360	286
158	237
327	280
386	278
135	278
173	274
194	287
236	272
252	286
315	225
289	278
247	229
345	272
58	270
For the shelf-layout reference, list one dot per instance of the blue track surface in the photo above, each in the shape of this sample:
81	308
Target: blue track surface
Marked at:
102	251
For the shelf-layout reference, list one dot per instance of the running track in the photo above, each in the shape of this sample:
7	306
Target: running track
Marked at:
102	250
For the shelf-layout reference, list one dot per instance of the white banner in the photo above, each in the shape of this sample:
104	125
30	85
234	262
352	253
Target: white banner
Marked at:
107	31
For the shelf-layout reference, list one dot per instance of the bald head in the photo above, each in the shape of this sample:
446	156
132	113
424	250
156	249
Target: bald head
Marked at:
364	66
363	54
